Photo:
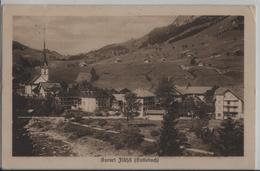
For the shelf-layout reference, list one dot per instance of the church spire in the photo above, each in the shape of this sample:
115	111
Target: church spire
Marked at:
45	62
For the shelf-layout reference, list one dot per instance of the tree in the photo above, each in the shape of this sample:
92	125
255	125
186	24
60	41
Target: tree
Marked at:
209	95
94	76
131	105
64	86
230	139
169	144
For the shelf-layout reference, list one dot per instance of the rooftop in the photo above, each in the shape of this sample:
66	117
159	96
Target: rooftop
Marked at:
236	90
192	89
143	93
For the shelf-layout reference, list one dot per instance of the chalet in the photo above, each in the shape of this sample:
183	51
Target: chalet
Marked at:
146	99
118	101
229	103
146	61
118	60
83	64
200	64
163	59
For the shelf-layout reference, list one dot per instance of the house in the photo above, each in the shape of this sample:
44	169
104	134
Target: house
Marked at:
192	91
118	60
118	101
45	88
163	59
229	103
146	100
83	64
88	104
200	64
146	61
93	100
69	102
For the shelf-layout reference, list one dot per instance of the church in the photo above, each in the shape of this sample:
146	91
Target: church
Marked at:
40	85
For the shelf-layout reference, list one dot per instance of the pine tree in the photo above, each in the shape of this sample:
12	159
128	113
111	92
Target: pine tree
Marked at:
131	105
230	141
94	76
170	143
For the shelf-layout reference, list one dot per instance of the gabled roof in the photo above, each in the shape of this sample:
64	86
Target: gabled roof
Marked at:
124	91
238	91
36	78
192	89
119	97
143	93
48	87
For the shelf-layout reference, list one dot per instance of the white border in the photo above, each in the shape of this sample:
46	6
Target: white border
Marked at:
198	2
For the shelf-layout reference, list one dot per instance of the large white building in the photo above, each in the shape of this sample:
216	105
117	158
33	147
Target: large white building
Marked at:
229	103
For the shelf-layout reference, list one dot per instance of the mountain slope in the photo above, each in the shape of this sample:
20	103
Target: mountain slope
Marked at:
217	44
196	50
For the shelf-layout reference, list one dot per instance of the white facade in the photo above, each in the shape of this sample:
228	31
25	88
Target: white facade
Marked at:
43	78
45	73
88	104
228	105
29	89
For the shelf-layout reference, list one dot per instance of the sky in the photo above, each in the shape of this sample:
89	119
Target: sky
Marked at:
73	35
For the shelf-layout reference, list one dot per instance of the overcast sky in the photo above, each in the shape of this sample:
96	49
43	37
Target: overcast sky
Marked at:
72	35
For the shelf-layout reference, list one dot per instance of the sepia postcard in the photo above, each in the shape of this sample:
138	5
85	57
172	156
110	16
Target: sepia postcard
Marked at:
128	87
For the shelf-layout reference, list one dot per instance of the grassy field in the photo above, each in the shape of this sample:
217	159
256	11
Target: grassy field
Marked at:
59	137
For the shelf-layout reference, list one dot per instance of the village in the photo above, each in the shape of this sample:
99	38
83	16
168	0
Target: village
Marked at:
224	102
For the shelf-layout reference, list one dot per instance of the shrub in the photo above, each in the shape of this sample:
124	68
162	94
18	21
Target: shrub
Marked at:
150	148
118	114
118	126
133	136
99	135
98	114
155	133
77	118
102	122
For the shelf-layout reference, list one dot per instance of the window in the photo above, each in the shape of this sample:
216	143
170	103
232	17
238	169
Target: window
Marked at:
219	114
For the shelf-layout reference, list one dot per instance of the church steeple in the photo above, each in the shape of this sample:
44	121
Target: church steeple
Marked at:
44	68
45	62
